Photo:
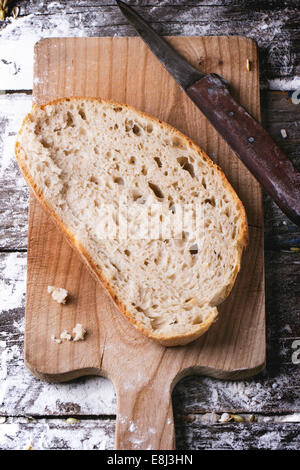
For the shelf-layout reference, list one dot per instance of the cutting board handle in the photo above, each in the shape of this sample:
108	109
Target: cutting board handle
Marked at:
145	417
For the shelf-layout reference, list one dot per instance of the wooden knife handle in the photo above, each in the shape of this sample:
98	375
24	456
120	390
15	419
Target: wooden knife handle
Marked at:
252	144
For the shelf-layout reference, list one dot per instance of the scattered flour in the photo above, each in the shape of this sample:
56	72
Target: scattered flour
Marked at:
20	434
13	109
8	431
13	284
132	427
87	396
270	440
17	45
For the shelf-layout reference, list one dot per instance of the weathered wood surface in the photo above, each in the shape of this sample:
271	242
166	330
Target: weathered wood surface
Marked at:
195	433
274	25
273	396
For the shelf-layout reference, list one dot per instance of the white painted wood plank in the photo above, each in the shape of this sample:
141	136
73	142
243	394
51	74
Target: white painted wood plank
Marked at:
195	433
13	189
25	434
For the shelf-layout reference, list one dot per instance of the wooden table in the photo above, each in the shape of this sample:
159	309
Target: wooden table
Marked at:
267	406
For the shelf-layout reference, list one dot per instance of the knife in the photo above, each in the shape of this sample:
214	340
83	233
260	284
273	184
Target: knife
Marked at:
247	138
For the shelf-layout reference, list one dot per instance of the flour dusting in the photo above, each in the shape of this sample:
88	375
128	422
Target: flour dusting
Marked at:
13	283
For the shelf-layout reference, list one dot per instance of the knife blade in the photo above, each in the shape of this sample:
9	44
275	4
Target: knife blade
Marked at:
247	138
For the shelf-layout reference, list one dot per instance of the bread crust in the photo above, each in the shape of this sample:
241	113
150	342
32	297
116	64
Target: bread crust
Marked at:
242	241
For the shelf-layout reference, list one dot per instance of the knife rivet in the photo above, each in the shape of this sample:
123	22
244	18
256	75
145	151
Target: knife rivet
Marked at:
251	140
231	113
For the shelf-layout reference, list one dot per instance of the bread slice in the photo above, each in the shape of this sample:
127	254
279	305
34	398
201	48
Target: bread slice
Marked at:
153	217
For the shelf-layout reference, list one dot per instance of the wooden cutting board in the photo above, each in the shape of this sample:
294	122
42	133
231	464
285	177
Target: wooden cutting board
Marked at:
143	372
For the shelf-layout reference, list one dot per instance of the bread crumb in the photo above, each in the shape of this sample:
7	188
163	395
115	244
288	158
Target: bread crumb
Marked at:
72	420
29	447
237	418
225	418
79	332
78	335
56	340
65	335
58	293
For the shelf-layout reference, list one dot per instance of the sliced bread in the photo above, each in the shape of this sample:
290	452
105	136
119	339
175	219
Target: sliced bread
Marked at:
153	217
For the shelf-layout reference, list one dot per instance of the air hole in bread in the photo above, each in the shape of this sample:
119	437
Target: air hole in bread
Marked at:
149	128
127	252
176	142
45	144
119	180
118	109
194	249
82	114
128	125
186	165
136	196
172	207
132	160
70	120
136	129
185	235
211	201
156	190
158	162
94	180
